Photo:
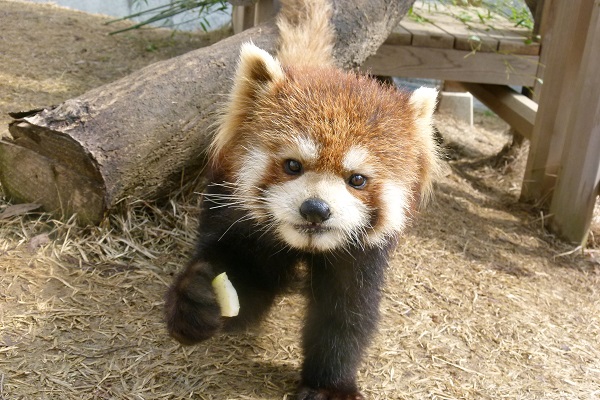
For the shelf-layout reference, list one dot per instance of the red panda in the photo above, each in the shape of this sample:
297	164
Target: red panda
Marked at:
310	165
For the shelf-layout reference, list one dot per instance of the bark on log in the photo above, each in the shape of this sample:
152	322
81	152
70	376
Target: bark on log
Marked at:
141	135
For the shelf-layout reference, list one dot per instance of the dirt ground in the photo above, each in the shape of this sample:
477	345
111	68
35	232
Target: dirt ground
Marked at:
480	303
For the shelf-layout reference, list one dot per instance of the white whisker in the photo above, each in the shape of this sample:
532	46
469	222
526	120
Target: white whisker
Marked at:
243	218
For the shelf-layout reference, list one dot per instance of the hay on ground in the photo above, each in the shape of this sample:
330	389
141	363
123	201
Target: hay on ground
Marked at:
480	301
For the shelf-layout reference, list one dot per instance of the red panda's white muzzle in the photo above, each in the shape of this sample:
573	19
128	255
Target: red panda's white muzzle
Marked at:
315	211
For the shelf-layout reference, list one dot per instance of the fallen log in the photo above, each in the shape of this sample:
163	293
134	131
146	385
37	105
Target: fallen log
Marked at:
142	135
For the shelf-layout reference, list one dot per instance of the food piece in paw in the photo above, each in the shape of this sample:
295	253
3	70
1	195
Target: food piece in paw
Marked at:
226	296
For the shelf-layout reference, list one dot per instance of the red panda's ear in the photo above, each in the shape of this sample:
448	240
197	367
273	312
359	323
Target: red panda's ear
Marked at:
257	67
423	102
256	74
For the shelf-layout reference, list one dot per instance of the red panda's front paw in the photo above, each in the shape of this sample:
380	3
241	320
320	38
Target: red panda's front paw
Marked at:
306	393
191	310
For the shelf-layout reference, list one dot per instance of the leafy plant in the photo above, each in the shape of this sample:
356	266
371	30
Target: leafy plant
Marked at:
165	12
521	17
416	16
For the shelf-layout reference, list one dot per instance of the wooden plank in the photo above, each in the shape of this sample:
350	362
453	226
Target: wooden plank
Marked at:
465	38
516	109
575	195
511	39
503	24
517	45
454	65
400	37
425	34
563	42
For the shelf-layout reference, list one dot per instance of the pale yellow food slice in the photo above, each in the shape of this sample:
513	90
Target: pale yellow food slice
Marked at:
226	296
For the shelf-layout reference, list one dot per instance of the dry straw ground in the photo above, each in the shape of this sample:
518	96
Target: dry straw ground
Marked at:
480	302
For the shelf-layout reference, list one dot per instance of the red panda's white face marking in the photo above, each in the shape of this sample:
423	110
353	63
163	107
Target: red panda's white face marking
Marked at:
249	175
357	160
346	217
395	200
280	204
301	148
321	158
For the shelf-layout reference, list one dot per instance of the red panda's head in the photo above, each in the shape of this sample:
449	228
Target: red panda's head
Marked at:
321	157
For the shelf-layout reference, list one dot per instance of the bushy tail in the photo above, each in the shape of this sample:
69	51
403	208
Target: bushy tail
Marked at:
306	33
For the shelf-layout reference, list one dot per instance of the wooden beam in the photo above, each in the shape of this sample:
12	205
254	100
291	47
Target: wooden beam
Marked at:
579	178
516	109
427	35
565	29
454	65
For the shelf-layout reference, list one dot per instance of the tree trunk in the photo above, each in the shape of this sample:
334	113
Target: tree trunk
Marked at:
145	134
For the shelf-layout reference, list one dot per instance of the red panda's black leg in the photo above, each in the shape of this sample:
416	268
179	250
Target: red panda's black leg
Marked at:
258	270
191	310
343	309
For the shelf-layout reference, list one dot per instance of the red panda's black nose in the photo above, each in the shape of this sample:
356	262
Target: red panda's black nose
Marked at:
315	210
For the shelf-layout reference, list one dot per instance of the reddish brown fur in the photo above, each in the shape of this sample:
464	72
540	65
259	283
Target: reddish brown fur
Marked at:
254	223
338	110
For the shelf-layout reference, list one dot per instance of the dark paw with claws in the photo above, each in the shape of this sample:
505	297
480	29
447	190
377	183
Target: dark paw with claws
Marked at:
191	310
306	393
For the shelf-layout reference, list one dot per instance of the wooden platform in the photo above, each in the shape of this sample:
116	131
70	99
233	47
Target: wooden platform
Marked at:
459	44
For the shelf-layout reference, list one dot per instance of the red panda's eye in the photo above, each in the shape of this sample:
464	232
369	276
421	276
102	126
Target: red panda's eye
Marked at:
357	181
292	167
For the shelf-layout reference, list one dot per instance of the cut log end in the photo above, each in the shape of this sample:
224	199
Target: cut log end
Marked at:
54	170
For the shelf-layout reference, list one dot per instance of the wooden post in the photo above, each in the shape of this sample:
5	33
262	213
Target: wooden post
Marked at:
578	181
247	16
564	36
242	18
264	10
